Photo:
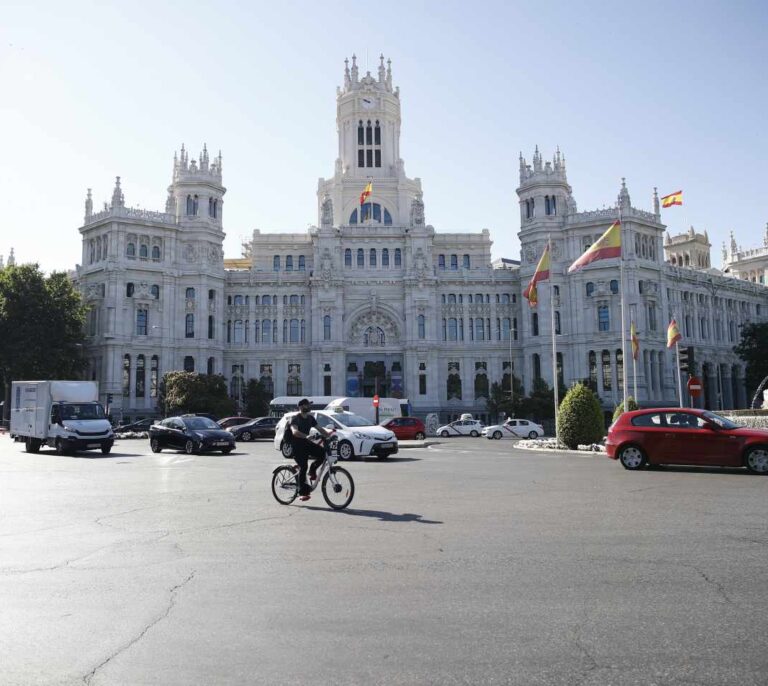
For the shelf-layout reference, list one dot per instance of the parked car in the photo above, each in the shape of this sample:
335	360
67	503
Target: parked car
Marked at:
406	428
233	421
461	427
686	437
190	433
514	428
261	427
357	437
141	425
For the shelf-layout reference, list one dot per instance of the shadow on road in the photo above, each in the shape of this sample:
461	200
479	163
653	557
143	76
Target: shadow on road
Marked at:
685	469
380	515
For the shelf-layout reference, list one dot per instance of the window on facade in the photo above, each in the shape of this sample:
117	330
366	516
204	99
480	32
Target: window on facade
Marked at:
142	319
266	331
454	262
514	328
294	331
302	263
603	318
327	327
453	329
592	360
140	376
534	323
276	263
229	331
607	375
360	257
155	292
560	370
130	250
441	261
129	289
590	288
211	367
189	326
652	316
614	286
422	384
238	330
348	258
126	375
372	257
289	263
143	251
421	326
189	363
465	261
190	293
619	368
536	366
479	329
210	326
154	374
385	257
557	323
398	258
293	300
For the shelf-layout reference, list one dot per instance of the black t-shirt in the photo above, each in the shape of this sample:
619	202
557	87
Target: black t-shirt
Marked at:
303	424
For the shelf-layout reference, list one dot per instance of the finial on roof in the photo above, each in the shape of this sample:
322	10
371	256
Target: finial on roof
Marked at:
11	259
656	208
118	199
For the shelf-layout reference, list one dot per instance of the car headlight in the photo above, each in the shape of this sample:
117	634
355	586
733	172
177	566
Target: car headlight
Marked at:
358	434
66	427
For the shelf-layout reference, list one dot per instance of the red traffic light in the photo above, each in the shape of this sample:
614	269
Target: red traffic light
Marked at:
375	400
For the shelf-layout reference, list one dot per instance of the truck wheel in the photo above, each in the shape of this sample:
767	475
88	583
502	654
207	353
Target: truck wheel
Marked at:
31	445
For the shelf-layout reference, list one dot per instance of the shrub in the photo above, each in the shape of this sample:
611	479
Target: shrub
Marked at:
580	419
631	405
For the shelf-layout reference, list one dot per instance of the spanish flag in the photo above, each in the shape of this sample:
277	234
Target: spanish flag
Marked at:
608	245
672	199
673	334
531	293
366	192
635	341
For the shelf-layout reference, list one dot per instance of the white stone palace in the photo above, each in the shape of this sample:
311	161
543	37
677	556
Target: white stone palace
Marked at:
374	299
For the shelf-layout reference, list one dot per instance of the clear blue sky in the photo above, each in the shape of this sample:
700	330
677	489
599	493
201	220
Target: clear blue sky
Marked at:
665	94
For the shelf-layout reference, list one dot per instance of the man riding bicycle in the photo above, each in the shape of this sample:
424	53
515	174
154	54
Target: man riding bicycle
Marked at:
304	448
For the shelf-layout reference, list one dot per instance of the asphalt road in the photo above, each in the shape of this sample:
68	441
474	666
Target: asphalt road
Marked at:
468	562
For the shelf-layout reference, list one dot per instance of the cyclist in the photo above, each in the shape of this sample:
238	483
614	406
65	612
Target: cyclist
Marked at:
304	448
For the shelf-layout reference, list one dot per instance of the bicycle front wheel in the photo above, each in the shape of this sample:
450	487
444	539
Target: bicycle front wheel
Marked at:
285	485
338	488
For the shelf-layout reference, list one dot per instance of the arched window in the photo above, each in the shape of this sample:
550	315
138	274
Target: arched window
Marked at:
190	206
294	331
293	300
195	205
347	258
451	298
360	257
506	325
453	329
546	205
614	286
590	288
140	376
189	363
360	135
607	376
371	212
190	293
276	263
293	386
454	262
372	257
155	291
465	261
189	326
603	318
398	258
143	251
327	327
453	383
479	329
266	300
266	331
130	250
289	263
536	365
126	375
302	263
238	331
441	261
129	290
421	326
156	253
385	257
481	386
238	300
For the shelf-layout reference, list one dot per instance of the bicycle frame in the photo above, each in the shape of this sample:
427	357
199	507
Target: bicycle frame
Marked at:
330	459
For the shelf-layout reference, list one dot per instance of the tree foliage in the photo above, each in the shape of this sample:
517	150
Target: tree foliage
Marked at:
753	349
41	325
190	392
580	419
256	399
631	405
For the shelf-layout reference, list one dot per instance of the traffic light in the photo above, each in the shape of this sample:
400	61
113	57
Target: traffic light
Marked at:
686	360
109	398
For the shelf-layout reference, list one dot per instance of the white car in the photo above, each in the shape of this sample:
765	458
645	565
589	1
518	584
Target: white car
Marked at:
514	428
461	427
357	437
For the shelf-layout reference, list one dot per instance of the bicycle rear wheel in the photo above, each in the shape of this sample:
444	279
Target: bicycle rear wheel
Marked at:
285	485
338	488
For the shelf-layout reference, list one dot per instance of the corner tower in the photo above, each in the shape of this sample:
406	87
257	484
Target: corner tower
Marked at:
196	196
544	194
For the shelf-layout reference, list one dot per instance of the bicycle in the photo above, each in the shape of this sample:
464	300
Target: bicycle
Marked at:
337	484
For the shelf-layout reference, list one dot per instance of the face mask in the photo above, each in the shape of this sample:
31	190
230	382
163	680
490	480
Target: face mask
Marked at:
304	410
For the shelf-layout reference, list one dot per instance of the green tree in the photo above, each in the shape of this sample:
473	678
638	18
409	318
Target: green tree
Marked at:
256	399
540	404
631	405
41	326
580	419
189	392
753	349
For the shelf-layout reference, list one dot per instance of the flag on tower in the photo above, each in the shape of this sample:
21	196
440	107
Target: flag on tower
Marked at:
675	198
673	334
366	192
531	293
608	245
635	341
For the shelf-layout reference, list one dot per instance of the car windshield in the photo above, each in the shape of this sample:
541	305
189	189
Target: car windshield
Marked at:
82	411
200	423
352	420
722	422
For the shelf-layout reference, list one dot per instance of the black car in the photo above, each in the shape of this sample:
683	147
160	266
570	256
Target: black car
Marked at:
190	433
141	425
261	427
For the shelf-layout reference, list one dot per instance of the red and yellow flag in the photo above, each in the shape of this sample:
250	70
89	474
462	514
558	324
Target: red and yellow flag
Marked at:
531	293
608	245
635	341
366	192
675	198
673	334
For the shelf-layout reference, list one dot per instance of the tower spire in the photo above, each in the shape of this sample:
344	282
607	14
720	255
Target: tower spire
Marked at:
623	199
354	68
88	207
656	208
382	70
11	259
118	199
389	74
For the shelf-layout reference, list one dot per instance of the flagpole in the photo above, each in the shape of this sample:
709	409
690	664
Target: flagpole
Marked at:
554	341
623	312
679	380
634	372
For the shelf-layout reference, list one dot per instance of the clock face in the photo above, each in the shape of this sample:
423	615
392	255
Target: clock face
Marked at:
367	103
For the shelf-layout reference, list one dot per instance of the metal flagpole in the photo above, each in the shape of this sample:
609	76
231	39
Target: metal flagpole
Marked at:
634	371
623	313
679	380
554	337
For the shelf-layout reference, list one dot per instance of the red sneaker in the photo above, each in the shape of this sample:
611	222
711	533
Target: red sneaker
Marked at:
304	497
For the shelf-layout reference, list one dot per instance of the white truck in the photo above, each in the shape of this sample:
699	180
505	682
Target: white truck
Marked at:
363	407
64	415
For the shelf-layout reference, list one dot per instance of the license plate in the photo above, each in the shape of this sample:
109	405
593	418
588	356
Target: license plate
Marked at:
385	445
221	443
94	445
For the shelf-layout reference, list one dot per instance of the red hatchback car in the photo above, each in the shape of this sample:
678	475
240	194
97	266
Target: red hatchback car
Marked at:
406	428
685	436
